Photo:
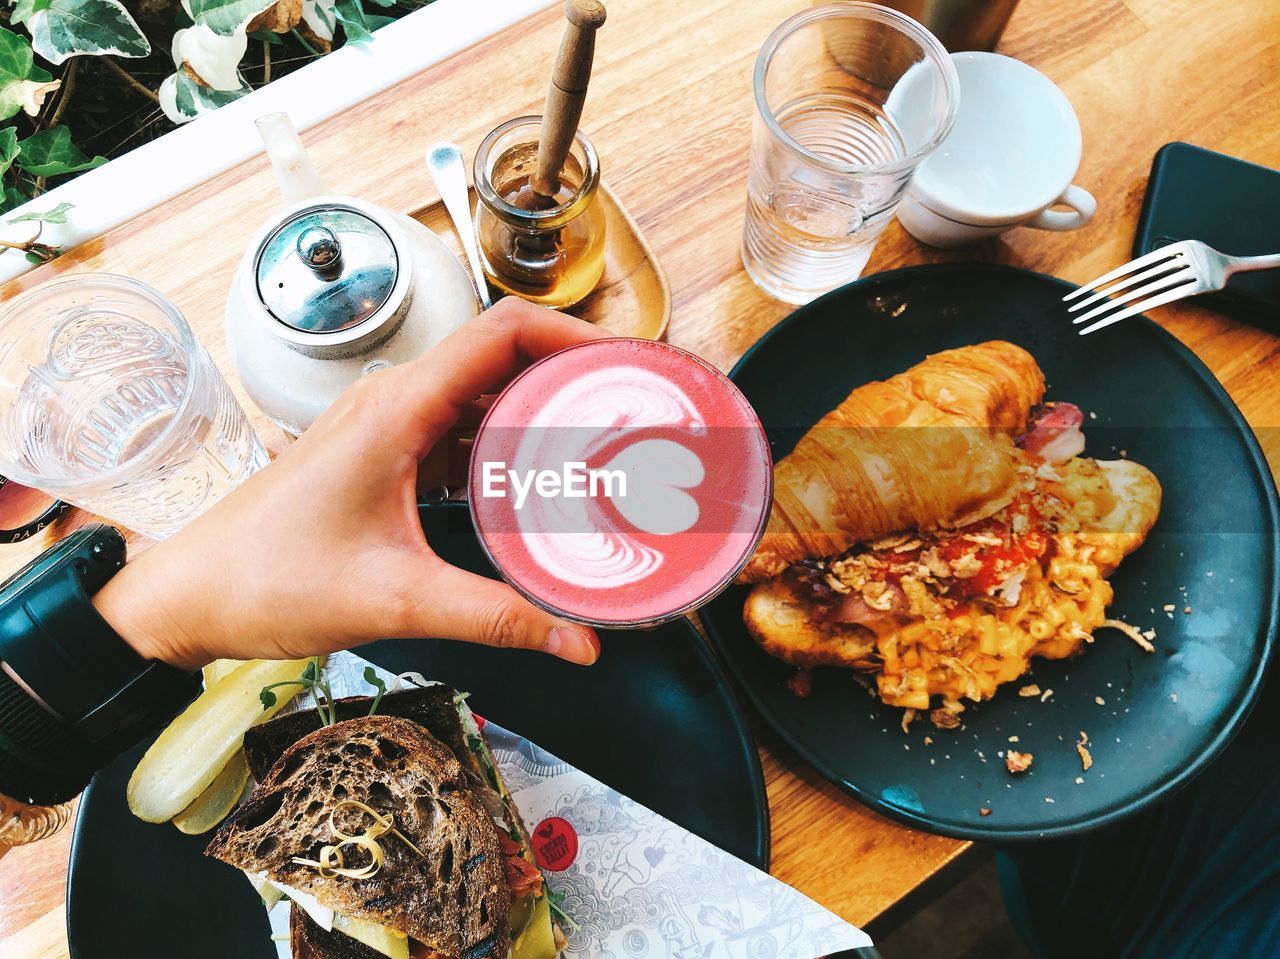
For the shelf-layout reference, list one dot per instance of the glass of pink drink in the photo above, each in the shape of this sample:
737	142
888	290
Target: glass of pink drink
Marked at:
620	482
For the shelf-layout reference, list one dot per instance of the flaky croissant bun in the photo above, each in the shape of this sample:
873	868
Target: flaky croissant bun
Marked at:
923	448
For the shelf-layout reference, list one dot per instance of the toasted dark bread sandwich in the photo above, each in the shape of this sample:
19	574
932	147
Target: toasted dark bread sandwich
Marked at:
392	834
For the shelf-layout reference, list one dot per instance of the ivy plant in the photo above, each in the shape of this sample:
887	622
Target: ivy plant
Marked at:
40	41
26	163
208	52
61	29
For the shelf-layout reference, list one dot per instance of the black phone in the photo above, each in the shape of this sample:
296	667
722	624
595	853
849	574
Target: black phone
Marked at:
1230	204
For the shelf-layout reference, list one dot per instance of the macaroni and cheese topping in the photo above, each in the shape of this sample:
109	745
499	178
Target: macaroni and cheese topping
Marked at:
956	612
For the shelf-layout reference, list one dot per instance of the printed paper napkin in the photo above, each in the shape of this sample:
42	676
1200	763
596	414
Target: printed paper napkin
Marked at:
636	885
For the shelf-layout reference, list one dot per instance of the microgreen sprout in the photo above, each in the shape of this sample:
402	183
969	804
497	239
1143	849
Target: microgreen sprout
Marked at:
315	681
372	678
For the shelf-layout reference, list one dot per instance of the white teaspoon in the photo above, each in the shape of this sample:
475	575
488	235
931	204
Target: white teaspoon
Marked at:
444	162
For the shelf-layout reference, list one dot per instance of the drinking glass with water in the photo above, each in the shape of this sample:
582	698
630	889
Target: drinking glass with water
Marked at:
850	98
108	402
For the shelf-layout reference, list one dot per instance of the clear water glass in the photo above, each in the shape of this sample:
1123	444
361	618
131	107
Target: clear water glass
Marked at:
108	402
850	98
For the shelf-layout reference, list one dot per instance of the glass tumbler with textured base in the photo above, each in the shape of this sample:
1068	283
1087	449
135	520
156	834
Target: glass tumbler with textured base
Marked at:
850	98
108	402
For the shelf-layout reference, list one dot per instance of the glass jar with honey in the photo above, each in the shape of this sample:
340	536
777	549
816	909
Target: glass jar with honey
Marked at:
548	250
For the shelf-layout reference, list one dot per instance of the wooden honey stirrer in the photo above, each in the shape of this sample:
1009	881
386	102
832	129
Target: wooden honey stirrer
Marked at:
567	92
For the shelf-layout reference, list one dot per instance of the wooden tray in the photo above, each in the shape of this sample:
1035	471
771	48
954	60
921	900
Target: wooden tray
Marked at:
633	298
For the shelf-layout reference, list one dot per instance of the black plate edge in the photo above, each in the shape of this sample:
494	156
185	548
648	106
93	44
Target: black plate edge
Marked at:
72	857
760	793
762	858
1231	726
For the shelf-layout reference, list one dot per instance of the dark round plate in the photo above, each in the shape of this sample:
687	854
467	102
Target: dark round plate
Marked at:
654	718
1154	720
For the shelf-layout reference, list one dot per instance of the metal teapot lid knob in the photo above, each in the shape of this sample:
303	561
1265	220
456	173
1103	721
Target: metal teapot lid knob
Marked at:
326	269
319	248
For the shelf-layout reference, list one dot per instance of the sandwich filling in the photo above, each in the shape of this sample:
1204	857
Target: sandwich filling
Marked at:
392	835
956	611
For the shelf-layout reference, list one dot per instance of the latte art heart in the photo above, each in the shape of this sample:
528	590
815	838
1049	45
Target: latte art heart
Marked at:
658	473
619	482
577	539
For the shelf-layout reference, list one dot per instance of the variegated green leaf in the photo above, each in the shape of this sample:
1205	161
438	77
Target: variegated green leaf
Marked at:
23	9
51	153
225	17
8	147
319	17
57	214
23	86
30	95
61	29
354	20
213	58
168	97
182	99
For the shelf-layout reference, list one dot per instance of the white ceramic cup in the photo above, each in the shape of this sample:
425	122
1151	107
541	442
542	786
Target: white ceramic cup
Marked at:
1010	157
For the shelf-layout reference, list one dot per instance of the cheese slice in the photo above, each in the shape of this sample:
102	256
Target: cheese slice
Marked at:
390	942
322	916
269	892
537	941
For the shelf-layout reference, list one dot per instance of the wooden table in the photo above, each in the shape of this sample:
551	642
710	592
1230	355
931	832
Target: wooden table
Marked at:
670	112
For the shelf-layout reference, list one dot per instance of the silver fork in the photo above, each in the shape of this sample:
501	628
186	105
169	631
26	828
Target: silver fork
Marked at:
1170	273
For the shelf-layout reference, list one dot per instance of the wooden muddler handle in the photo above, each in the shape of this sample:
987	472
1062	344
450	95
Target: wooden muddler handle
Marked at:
567	92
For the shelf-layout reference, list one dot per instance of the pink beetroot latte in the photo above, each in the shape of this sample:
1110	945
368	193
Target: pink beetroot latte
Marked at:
620	482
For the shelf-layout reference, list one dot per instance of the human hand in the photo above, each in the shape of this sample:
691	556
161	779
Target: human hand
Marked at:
323	550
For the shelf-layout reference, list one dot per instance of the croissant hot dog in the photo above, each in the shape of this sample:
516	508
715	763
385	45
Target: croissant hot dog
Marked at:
929	446
940	530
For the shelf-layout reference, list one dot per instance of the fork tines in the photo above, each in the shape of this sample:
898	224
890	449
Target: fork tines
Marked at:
1152	280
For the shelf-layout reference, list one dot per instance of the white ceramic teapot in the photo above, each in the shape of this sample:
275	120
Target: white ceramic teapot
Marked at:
333	288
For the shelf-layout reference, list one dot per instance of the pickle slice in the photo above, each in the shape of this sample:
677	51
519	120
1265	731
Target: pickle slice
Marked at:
195	747
213	805
219	669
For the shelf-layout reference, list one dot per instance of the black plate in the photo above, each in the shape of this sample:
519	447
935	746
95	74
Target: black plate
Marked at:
1166	715
654	718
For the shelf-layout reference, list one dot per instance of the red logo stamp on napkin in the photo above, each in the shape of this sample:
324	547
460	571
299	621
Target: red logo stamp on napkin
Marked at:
555	844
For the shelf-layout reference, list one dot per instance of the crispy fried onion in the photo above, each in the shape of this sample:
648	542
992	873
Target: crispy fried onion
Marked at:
1132	632
332	862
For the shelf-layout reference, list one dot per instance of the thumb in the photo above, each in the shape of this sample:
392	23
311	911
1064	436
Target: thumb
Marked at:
474	609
